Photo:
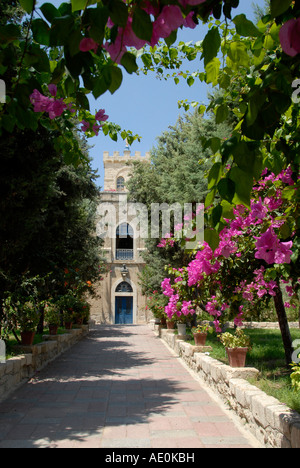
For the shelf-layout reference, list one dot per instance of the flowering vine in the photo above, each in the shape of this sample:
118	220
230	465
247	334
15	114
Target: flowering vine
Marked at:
245	269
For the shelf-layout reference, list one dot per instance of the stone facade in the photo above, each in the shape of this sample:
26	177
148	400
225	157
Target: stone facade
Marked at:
122	247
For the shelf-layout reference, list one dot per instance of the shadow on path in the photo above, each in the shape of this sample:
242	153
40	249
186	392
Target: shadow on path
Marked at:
106	380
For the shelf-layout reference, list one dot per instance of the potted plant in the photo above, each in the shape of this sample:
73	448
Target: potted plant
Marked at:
68	304
237	345
200	333
81	311
156	304
170	324
27	319
52	317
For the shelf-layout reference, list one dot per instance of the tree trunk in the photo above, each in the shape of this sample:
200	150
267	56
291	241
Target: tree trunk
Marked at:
40	327
284	326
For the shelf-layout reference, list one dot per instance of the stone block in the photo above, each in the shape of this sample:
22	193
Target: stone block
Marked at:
216	371
241	373
28	358
259	404
295	435
2	369
9	366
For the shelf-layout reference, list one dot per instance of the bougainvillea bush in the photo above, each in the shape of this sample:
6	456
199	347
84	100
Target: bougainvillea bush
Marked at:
256	256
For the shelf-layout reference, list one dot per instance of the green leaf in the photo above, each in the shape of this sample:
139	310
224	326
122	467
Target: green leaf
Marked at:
216	214
212	238
221	114
62	29
142	25
37	58
238	54
49	11
27	5
81	4
212	71
243	186
116	79
41	32
255	104
82	100
95	19
278	7
129	63
214	175
210	198
211	45
226	188
118	12
9	33
248	158
245	27
227	212
227	148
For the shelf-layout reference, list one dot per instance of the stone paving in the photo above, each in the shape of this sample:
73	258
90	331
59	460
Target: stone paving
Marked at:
120	387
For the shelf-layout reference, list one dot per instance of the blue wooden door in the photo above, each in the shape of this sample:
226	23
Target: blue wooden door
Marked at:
124	310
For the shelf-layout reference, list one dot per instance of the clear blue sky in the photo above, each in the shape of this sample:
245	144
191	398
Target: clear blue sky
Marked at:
147	106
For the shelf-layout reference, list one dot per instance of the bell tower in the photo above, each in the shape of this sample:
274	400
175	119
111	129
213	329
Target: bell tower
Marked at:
120	298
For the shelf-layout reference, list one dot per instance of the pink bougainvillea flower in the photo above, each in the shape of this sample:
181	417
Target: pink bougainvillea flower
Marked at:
101	116
88	44
52	89
284	252
189	22
116	49
289	36
166	287
169	20
43	103
96	129
270	249
85	125
184	3
39	101
258	210
56	108
267	245
129	37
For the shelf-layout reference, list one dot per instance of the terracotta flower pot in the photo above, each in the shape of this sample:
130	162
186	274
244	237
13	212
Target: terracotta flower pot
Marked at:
53	329
200	339
237	356
163	321
170	325
27	338
68	325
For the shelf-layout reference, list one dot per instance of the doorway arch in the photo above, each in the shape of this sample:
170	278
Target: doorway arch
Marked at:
124	303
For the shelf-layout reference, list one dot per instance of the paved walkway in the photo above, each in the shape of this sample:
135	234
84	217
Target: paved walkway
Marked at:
119	387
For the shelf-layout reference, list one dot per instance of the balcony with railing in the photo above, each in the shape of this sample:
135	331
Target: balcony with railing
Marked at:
124	254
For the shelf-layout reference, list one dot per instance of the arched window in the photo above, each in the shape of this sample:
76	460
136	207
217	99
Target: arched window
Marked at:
120	184
124	242
124	287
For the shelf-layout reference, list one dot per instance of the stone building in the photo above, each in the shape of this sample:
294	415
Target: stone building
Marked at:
119	297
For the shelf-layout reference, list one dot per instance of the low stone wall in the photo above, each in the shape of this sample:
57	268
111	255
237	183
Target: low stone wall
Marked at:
273	423
262	325
20	368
